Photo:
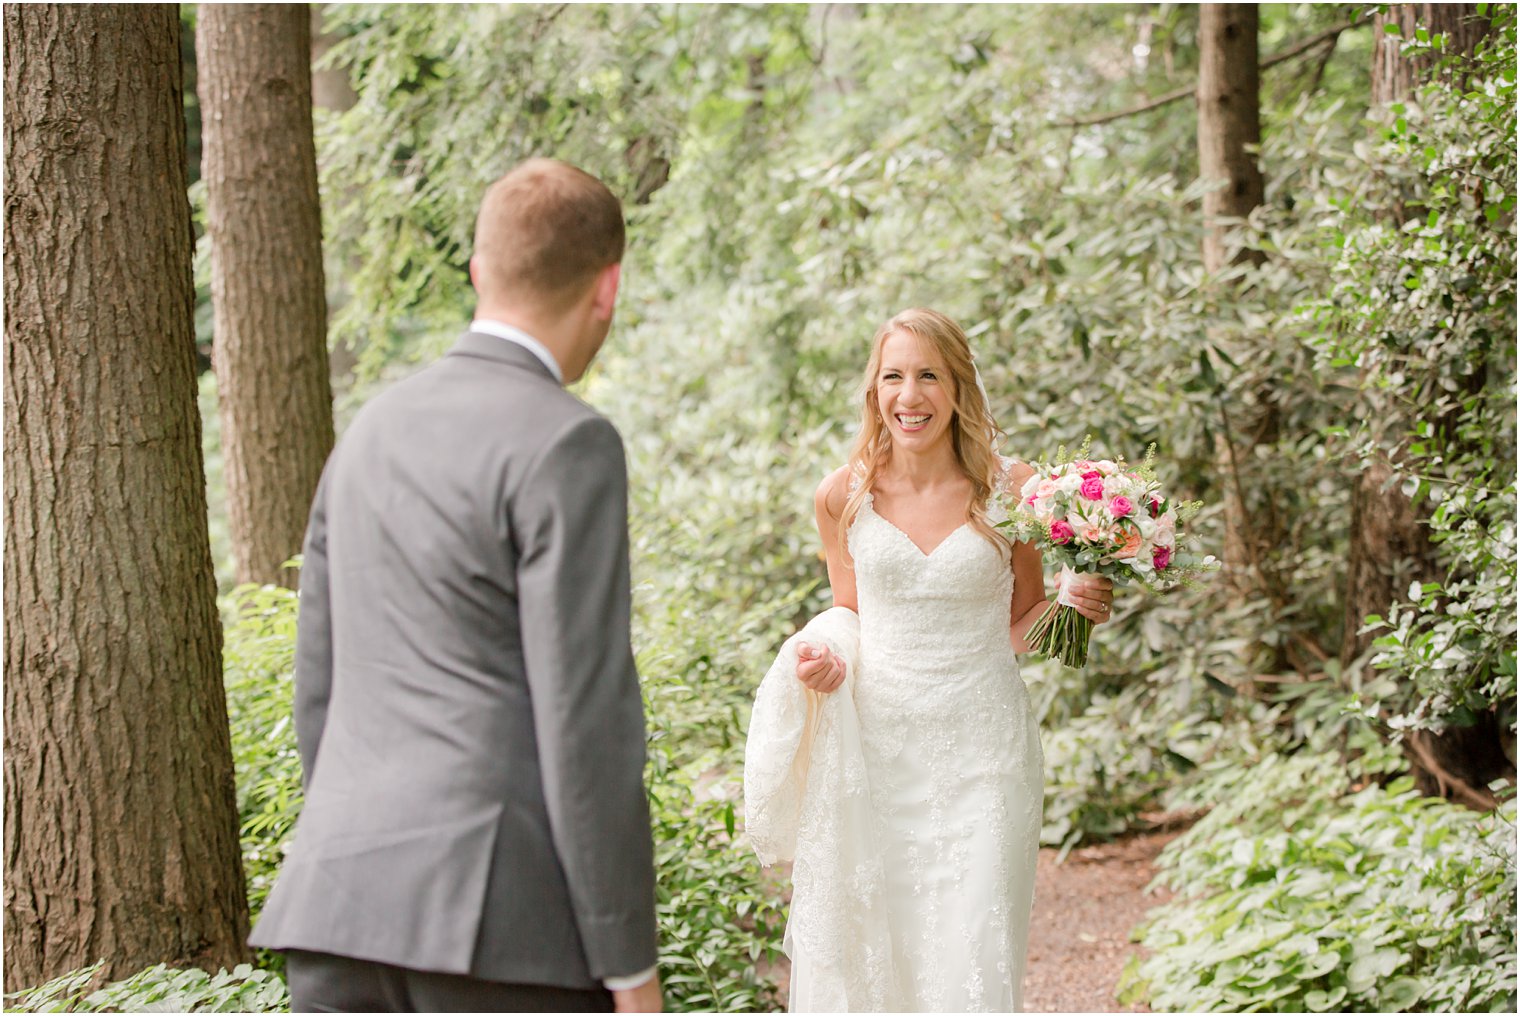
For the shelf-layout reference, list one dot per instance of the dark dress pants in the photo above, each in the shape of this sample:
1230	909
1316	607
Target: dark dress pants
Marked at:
321	982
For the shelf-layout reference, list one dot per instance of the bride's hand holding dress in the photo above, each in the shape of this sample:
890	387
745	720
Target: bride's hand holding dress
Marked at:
819	669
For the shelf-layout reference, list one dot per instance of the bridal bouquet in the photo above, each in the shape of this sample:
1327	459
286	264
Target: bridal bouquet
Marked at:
1100	517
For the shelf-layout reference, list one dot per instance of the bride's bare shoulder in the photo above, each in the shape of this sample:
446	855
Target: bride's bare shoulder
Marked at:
833	492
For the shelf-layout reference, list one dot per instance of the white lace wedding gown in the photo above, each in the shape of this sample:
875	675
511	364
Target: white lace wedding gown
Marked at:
952	752
916	840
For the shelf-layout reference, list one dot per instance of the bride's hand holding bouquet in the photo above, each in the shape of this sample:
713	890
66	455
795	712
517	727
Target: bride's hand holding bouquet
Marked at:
1100	517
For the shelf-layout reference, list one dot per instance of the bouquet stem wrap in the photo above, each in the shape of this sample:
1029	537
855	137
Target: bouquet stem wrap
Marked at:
1061	633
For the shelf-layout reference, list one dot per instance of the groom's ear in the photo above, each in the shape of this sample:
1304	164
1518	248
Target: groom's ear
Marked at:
604	292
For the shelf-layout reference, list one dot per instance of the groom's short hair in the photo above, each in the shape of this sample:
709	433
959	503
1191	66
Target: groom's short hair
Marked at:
545	230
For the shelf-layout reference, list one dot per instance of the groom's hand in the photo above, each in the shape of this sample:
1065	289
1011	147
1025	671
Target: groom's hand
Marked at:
645	998
819	669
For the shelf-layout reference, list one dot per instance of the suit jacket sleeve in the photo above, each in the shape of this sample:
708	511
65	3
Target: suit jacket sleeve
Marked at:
571	523
313	637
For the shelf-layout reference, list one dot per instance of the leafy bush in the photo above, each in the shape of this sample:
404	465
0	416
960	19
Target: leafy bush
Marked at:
1423	302
720	924
157	989
1304	890
1156	710
258	664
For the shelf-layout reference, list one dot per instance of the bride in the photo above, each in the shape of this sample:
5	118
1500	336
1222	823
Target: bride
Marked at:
893	754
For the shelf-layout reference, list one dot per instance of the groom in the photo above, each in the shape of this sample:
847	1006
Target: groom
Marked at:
476	835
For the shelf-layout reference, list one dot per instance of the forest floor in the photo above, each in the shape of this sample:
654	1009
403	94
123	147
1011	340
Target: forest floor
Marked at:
1084	910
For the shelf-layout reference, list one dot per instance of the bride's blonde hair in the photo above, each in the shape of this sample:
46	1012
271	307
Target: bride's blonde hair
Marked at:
974	433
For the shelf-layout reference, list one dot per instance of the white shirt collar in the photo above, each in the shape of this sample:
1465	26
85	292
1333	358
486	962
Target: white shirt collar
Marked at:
502	330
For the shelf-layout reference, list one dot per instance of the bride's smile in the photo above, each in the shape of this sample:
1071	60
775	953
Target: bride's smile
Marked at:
914	391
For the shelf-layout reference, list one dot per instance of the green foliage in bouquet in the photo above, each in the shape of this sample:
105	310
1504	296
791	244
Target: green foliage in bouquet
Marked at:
1185	567
1054	515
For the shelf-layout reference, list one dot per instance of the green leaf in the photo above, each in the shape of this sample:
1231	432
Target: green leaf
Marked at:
1401	994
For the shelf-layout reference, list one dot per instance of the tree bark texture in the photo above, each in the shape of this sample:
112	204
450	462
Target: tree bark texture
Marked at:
1395	76
121	824
265	227
1390	549
1229	119
1229	127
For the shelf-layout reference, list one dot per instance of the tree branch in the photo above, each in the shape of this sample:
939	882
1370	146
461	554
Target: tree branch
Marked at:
1329	35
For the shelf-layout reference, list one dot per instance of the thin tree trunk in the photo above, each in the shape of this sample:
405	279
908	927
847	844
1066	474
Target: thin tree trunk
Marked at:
1229	120
1390	549
121	825
264	224
1229	128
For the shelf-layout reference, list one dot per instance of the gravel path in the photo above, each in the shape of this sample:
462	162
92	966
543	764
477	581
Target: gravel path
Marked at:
1084	910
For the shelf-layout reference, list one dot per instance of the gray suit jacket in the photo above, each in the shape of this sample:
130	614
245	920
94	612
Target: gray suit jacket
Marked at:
467	710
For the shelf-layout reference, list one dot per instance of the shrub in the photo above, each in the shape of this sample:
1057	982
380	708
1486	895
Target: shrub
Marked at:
157	989
1305	891
258	665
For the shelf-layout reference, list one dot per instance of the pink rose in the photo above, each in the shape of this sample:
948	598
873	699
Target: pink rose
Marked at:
1155	506
1092	487
1120	506
1085	466
1163	558
1061	532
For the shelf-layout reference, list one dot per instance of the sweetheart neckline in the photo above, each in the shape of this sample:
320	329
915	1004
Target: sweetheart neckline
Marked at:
870	505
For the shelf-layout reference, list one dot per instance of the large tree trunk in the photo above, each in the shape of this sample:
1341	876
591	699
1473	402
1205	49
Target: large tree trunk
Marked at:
121	825
1390	545
263	220
1229	127
1394	76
